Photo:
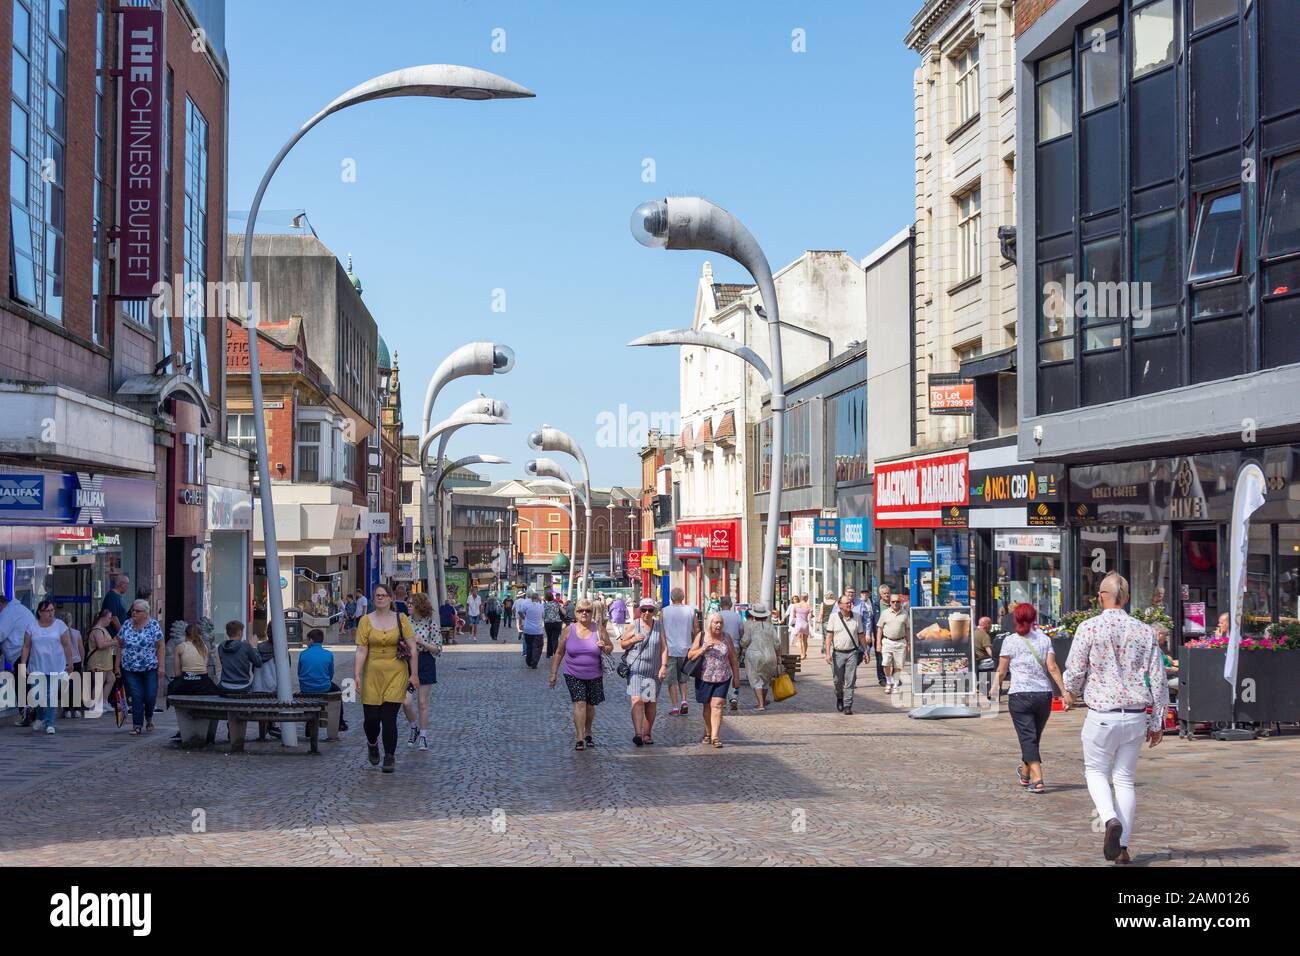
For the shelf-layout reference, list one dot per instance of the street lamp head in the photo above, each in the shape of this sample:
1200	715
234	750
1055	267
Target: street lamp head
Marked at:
432	79
650	223
503	359
535	440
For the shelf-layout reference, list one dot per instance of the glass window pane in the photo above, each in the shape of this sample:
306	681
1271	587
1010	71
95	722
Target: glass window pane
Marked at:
22	27
1282	215
1098	556
1153	37
1146	565
1257	606
1055	108
1106	296
1282	278
59	19
1099	65
1062	350
1217	248
1103	337
1288	572
1219	300
1155	257
18	129
18	185
19	76
56	65
1205	12
20	230
56	116
1051	66
1057	317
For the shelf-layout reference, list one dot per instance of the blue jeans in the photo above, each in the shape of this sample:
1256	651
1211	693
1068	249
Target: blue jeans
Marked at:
45	688
141	691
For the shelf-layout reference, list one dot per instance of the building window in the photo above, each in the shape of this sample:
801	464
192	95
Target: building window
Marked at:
1153	37
968	234
1155	269
1216	246
407	490
1282	228
309	452
762	461
847	413
553	518
196	242
1055	97
1207	12
798	444
968	84
1099	65
1056	320
240	430
553	542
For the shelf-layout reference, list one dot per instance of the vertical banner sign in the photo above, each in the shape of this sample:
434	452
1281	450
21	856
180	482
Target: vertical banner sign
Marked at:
1246	500
139	168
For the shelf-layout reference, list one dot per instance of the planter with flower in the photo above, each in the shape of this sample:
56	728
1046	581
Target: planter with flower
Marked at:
1268	678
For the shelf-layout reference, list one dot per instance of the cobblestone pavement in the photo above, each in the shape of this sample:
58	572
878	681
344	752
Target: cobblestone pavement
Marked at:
798	784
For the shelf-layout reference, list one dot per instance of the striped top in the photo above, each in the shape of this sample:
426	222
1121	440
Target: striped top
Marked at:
645	658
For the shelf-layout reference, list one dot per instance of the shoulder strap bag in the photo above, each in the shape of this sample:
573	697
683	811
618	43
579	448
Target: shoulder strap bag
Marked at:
691	668
1034	651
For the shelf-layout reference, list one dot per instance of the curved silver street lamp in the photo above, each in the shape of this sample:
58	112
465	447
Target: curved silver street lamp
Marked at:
440	80
444	430
694	223
473	358
549	468
552	439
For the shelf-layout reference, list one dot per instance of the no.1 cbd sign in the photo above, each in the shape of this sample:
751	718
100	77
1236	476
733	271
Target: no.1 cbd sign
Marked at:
139	168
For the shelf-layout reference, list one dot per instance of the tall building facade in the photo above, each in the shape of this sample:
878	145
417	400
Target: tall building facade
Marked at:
114	456
1159	253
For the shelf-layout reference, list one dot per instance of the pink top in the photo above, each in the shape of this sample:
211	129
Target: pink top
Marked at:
717	664
801	613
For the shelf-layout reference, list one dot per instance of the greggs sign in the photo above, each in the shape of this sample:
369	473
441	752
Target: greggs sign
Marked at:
914	494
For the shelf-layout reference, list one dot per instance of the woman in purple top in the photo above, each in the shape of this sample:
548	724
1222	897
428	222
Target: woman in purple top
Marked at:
719	669
618	612
581	648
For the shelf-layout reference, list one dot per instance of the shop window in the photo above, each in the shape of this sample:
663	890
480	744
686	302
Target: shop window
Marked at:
1055	97
1029	578
1216	246
1288	572
1152	37
896	559
1257	606
1215	95
1147	559
1207	12
1098	556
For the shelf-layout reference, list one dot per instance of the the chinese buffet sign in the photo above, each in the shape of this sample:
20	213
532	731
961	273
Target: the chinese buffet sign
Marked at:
918	493
140	167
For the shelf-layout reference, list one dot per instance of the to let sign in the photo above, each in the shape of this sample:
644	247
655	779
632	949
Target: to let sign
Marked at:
139	168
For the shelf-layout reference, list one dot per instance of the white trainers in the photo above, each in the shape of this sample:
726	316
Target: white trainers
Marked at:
49	730
415	732
38	725
424	742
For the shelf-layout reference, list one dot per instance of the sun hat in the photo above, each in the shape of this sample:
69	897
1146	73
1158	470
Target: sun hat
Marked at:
647	603
758	610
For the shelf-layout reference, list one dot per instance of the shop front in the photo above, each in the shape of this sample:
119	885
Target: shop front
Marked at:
920	512
709	552
856	540
229	554
65	535
1164	524
813	569
1017	519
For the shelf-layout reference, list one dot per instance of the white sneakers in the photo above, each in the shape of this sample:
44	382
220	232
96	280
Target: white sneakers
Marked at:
424	742
49	730
415	733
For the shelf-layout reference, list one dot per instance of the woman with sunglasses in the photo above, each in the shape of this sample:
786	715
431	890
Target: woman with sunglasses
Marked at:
47	655
144	664
645	651
580	651
383	676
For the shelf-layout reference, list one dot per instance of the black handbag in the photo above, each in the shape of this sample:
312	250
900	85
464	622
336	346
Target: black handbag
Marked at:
624	670
691	667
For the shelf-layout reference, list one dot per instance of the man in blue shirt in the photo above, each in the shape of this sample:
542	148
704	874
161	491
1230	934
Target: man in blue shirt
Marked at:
316	668
531	624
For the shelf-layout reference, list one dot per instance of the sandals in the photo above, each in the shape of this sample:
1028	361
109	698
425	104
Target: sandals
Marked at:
676	711
636	740
579	746
717	744
683	708
1020	775
706	741
1036	787
591	744
135	733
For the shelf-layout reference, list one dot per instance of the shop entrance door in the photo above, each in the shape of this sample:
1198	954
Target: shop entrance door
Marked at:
71	591
921	579
1198	581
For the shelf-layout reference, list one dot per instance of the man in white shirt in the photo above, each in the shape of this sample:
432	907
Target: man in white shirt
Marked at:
473	607
15	619
734	626
362	605
680	628
845	646
1116	664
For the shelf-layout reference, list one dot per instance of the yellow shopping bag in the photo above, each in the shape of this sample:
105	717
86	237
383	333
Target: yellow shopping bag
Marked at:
783	687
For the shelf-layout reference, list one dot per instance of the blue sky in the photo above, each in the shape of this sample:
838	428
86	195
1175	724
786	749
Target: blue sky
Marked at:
453	200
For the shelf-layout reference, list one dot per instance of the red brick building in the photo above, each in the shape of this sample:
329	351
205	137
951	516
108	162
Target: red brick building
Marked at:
100	393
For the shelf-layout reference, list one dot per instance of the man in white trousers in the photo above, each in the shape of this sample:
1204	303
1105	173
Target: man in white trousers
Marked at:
1116	664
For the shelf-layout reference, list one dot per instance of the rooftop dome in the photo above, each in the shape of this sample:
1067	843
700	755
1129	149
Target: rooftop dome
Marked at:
356	283
384	360
561	563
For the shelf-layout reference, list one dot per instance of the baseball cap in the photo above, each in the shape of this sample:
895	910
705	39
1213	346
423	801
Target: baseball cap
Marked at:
647	603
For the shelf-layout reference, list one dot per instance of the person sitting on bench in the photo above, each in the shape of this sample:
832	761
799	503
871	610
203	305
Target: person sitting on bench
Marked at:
316	669
239	660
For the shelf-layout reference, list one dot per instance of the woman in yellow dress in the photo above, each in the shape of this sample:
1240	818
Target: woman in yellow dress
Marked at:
383	676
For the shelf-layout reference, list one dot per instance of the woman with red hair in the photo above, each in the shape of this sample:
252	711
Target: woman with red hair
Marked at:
1027	653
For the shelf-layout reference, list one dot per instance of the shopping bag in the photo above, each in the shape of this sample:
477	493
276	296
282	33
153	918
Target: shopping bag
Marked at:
783	687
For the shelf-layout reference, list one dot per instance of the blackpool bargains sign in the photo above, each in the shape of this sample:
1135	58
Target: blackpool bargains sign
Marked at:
914	494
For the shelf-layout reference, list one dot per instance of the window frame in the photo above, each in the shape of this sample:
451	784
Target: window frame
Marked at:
1204	205
967	85
969	247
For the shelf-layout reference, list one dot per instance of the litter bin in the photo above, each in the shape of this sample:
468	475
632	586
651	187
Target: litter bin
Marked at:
293	625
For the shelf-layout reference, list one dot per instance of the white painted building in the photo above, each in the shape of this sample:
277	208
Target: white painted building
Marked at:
718	541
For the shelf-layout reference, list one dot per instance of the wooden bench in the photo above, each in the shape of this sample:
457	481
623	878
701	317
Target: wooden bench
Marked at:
333	706
197	716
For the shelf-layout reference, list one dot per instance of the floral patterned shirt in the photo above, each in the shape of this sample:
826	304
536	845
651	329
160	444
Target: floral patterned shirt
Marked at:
1116	664
717	664
139	646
